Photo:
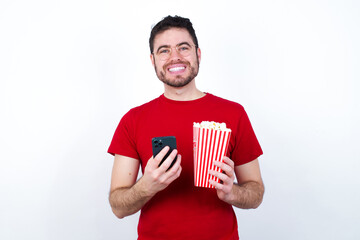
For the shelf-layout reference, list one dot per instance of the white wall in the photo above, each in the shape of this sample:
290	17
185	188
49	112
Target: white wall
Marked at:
70	69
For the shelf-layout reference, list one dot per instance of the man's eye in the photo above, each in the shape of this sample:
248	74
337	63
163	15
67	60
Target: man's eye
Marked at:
164	51
184	48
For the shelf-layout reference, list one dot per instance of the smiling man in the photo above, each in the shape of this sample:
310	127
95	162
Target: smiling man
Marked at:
171	206
184	65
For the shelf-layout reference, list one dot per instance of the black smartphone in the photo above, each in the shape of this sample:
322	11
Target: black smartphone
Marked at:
158	143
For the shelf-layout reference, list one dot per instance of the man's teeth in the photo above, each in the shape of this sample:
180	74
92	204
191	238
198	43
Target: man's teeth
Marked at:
176	69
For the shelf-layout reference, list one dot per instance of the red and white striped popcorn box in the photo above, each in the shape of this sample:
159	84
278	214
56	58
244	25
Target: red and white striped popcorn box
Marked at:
209	145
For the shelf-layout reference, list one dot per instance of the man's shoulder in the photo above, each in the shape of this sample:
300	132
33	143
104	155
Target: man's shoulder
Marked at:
223	102
143	107
146	104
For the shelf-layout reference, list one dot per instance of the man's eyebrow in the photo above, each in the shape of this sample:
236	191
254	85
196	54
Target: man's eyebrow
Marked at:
168	46
162	46
183	43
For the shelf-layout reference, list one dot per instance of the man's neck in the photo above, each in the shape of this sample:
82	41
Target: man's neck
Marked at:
186	93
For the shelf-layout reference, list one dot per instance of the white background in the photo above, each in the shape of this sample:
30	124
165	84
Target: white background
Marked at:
69	70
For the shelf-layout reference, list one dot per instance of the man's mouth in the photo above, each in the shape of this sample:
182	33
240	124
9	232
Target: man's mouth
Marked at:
176	68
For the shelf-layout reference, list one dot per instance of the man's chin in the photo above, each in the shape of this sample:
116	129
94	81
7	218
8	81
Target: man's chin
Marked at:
178	83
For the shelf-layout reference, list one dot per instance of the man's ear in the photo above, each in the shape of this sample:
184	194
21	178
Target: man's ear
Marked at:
199	54
152	59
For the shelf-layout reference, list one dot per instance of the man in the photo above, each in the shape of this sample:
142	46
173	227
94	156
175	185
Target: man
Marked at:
171	206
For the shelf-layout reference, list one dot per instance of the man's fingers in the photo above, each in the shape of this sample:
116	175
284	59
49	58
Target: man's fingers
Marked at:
167	162
228	161
221	176
174	172
217	185
176	164
227	174
161	155
225	167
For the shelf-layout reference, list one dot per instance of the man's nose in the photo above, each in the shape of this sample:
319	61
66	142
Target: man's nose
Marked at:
174	53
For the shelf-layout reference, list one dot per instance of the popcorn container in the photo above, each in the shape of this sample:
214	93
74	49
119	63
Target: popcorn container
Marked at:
209	145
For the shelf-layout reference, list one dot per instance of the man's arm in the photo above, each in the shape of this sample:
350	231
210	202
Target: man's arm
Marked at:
128	196
248	192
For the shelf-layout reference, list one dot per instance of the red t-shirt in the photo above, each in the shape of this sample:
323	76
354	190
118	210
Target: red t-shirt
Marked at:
183	211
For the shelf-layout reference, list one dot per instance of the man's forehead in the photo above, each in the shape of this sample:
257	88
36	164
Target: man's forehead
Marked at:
173	36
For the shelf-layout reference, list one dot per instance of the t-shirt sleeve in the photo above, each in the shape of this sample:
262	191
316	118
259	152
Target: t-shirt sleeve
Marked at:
247	147
123	142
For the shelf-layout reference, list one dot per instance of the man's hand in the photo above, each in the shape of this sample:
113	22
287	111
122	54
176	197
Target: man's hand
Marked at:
224	189
248	192
128	196
157	178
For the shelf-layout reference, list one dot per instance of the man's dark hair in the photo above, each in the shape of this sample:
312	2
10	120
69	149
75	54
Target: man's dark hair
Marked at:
172	22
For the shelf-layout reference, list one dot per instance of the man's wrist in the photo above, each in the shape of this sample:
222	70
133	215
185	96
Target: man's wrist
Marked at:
231	198
142	188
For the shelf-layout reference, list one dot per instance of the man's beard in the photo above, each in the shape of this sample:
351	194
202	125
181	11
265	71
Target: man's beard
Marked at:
179	81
